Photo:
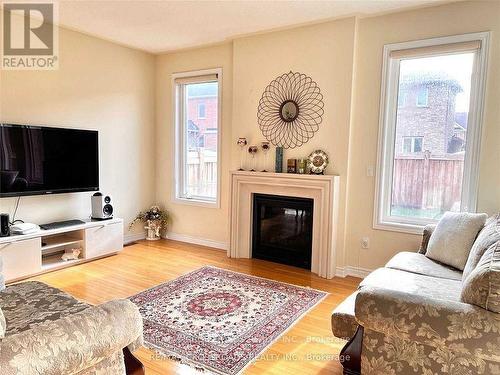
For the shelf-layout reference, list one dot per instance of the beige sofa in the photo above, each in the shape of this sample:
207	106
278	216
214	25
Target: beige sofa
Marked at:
417	316
49	332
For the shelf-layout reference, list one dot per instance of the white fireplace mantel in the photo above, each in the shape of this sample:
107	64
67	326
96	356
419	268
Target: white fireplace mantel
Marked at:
323	189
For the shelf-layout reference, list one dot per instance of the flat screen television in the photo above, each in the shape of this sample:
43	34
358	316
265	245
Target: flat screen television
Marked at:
45	160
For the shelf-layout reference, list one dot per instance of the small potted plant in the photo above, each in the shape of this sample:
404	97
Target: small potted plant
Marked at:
155	219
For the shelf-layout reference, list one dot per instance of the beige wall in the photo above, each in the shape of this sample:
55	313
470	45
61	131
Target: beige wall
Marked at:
345	58
244	78
193	221
373	33
101	86
325	53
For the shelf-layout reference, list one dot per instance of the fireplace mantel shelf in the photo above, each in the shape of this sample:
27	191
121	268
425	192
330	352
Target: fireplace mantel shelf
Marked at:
285	175
323	189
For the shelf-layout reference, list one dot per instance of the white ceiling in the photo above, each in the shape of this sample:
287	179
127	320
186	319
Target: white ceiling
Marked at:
161	26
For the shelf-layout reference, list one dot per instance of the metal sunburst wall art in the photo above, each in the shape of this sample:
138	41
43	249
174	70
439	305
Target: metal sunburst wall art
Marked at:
290	110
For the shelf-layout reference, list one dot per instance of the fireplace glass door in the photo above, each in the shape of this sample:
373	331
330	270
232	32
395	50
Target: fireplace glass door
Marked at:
282	229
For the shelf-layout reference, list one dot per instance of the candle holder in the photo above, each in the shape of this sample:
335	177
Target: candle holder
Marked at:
265	149
242	142
252	150
301	166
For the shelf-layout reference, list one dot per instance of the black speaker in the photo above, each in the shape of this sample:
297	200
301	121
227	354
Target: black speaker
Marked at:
4	225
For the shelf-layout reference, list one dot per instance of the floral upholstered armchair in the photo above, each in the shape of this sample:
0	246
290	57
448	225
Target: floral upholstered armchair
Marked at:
46	331
418	316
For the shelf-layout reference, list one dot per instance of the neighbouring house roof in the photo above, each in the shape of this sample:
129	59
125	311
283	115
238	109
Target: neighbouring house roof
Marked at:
192	126
461	119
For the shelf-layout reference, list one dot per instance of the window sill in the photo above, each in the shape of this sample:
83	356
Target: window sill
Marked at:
393	226
197	202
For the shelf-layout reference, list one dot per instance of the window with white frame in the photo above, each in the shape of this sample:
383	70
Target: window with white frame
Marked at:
421	177
412	144
197	176
201	110
423	97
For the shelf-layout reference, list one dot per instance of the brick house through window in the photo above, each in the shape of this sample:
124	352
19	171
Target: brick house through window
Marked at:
427	118
202	113
429	145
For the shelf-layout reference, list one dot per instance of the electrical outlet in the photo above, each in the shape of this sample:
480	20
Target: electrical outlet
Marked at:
365	242
369	171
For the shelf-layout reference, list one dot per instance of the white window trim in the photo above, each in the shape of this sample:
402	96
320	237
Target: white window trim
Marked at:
177	136
387	117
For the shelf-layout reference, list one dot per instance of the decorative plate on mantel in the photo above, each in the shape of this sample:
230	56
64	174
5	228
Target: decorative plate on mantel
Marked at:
318	161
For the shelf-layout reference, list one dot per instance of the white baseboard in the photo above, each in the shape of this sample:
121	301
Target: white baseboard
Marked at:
128	238
197	241
352	271
340	272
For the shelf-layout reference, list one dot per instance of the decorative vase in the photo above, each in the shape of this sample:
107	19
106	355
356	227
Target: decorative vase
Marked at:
153	230
279	160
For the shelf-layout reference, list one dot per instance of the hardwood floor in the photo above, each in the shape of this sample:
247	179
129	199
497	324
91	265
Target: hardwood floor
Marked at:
307	348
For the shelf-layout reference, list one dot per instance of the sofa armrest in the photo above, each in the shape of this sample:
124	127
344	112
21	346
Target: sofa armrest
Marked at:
429	321
73	343
426	236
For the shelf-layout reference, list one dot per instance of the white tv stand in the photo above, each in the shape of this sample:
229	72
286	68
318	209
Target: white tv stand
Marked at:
28	255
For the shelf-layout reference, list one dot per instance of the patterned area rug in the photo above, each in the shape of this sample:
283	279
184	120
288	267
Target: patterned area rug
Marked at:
219	320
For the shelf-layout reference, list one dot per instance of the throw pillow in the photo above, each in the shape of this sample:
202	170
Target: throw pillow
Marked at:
482	286
453	237
426	236
488	236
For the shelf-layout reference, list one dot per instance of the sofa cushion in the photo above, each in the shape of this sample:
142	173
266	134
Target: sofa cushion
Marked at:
420	264
28	304
344	323
488	236
407	282
482	286
113	364
453	238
